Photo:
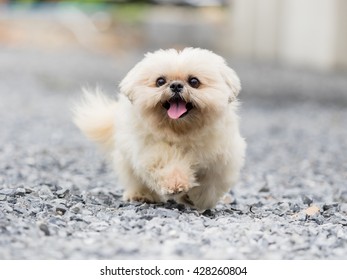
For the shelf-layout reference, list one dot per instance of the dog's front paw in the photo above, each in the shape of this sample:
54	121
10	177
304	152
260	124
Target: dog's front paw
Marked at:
141	196
176	182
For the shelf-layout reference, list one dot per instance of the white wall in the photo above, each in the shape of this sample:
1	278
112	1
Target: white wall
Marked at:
301	32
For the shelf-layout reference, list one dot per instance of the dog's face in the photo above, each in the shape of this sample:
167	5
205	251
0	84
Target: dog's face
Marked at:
181	89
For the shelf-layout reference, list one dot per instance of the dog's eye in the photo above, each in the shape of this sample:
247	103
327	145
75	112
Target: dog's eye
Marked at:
160	82
194	82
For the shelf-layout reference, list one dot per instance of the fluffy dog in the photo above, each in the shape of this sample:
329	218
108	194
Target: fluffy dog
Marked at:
173	132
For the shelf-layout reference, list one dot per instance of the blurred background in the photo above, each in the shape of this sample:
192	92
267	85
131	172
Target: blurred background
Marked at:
304	33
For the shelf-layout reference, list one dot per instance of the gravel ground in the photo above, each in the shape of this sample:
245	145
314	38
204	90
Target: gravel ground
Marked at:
59	200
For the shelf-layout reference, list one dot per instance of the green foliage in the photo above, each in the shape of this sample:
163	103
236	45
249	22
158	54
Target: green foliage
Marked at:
129	11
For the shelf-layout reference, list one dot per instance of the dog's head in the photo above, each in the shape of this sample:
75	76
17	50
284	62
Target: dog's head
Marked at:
181	89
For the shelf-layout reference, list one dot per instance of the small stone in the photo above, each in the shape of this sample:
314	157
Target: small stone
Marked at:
77	218
281	209
116	196
28	191
146	217
9	192
11	199
312	210
208	213
57	221
62	193
35	210
87	212
2	197
294	207
264	189
20	192
319	220
45	192
166	213
75	209
330	206
52	187
77	198
45	229
259	204
60	209
330	209
99	226
8	208
20	210
301	216
58	201
306	200
49	206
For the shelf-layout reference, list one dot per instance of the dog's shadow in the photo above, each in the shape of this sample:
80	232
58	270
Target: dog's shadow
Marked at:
167	209
172	208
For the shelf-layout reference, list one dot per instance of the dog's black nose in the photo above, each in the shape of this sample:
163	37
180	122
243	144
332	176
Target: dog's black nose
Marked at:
176	87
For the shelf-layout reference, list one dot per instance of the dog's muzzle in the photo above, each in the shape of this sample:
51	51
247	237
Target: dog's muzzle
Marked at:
176	106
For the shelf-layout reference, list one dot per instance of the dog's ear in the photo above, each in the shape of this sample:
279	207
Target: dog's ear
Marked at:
133	79
232	81
126	87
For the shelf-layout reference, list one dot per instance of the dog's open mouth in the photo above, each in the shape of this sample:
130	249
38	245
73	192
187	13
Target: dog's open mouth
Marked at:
177	108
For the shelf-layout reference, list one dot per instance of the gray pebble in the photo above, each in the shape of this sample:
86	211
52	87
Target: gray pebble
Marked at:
75	209
20	210
9	192
49	206
87	212
2	197
57	221
282	208
11	199
99	226
318	219
77	198
166	213
208	213
294	207
61	209
45	192
264	189
8	208
20	191
334	207
44	228
78	218
62	193
306	200
27	190
35	210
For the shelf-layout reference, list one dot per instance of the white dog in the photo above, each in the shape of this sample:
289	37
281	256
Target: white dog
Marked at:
173	133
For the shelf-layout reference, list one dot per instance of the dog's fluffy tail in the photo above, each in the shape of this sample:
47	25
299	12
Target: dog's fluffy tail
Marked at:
94	115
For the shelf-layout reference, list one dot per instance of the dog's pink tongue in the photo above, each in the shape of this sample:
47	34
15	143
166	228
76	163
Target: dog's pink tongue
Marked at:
177	109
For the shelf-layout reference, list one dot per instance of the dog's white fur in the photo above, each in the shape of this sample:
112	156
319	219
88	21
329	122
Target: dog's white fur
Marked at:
194	159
